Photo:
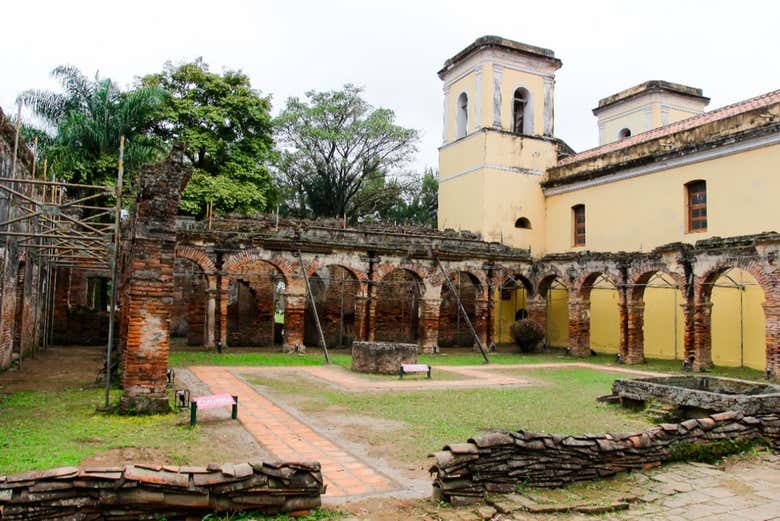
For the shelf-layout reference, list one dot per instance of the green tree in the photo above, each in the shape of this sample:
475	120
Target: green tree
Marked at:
226	128
85	122
419	201
337	153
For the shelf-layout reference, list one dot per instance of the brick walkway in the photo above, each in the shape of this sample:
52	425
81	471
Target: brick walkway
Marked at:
289	439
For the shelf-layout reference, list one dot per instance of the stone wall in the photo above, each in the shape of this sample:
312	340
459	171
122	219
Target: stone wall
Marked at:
497	462
382	357
145	492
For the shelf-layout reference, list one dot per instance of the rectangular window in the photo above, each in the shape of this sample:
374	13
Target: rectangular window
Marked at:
697	206
578	213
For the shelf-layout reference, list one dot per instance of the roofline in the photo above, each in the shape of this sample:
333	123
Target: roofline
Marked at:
650	87
496	42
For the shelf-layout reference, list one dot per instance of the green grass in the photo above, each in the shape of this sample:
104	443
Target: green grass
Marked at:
673	366
317	515
565	404
50	429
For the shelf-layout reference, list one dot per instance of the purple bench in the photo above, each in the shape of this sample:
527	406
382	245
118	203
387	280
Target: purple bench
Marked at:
212	402
414	368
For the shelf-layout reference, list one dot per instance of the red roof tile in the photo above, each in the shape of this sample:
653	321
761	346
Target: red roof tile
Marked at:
763	100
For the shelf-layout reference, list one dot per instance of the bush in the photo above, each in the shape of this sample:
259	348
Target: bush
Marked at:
528	335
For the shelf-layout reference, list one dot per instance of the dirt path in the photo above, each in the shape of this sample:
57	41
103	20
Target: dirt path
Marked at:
59	367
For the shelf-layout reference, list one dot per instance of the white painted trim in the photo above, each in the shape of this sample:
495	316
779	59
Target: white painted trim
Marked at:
519	63
696	157
498	71
478	101
492	166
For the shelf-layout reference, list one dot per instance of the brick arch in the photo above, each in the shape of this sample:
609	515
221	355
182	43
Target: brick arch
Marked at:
584	283
234	263
547	280
197	256
767	280
396	310
517	276
638	280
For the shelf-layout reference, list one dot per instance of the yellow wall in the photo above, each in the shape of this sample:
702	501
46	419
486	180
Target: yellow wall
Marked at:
632	114
604	318
505	313
643	212
512	79
738	334
558	317
664	326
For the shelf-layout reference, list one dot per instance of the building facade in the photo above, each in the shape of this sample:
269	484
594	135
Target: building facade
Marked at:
665	172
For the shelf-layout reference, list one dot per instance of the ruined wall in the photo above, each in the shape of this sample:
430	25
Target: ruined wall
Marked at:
148	285
500	461
146	492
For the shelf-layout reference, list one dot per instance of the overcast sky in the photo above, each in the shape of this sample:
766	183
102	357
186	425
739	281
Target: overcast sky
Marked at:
394	49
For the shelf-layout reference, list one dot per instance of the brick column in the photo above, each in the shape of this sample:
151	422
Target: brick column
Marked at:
222	304
537	310
294	309
371	317
211	316
150	285
429	325
702	342
360	317
689	330
481	322
772	314
634	346
579	326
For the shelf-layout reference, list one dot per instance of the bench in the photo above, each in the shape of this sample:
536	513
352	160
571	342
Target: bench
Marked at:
414	368
212	402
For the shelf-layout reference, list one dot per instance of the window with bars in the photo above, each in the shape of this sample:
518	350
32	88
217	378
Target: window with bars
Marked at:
697	206
578	218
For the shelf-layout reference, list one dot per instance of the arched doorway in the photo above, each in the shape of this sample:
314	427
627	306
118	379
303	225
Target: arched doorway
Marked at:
453	331
738	324
604	315
397	307
556	296
255	310
188	309
335	289
512	300
663	330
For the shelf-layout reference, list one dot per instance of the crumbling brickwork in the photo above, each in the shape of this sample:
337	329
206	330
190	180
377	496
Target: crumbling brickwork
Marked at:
149	285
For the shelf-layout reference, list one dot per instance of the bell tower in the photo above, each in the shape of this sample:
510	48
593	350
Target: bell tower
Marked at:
497	140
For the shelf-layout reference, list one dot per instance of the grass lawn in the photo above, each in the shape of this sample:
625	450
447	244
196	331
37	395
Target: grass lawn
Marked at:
565	403
50	429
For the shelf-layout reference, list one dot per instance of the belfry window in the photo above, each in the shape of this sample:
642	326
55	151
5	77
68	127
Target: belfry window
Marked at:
521	120
697	206
523	222
578	220
462	116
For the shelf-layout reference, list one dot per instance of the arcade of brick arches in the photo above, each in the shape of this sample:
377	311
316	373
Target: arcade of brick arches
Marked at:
235	282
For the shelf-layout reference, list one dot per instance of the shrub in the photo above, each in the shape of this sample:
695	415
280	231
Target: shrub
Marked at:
528	335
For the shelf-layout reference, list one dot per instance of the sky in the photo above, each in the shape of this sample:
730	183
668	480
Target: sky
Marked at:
394	49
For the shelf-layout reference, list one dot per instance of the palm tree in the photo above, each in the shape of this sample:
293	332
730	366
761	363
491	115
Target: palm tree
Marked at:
86	120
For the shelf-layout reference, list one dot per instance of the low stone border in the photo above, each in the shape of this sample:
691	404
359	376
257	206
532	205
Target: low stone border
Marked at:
147	492
497	462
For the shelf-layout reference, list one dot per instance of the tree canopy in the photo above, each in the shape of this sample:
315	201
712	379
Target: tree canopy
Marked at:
337	153
226	128
85	121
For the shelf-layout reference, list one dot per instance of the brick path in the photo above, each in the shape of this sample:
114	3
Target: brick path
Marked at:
289	439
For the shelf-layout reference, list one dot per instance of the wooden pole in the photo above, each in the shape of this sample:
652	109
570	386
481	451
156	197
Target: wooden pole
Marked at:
314	309
448	282
114	265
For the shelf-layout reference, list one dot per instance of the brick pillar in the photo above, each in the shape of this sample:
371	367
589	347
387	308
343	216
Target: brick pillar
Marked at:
429	325
537	310
481	321
634	346
150	285
772	314
211	316
222	305
689	330
371	317
579	326
360	317
8	304
294	309
702	341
